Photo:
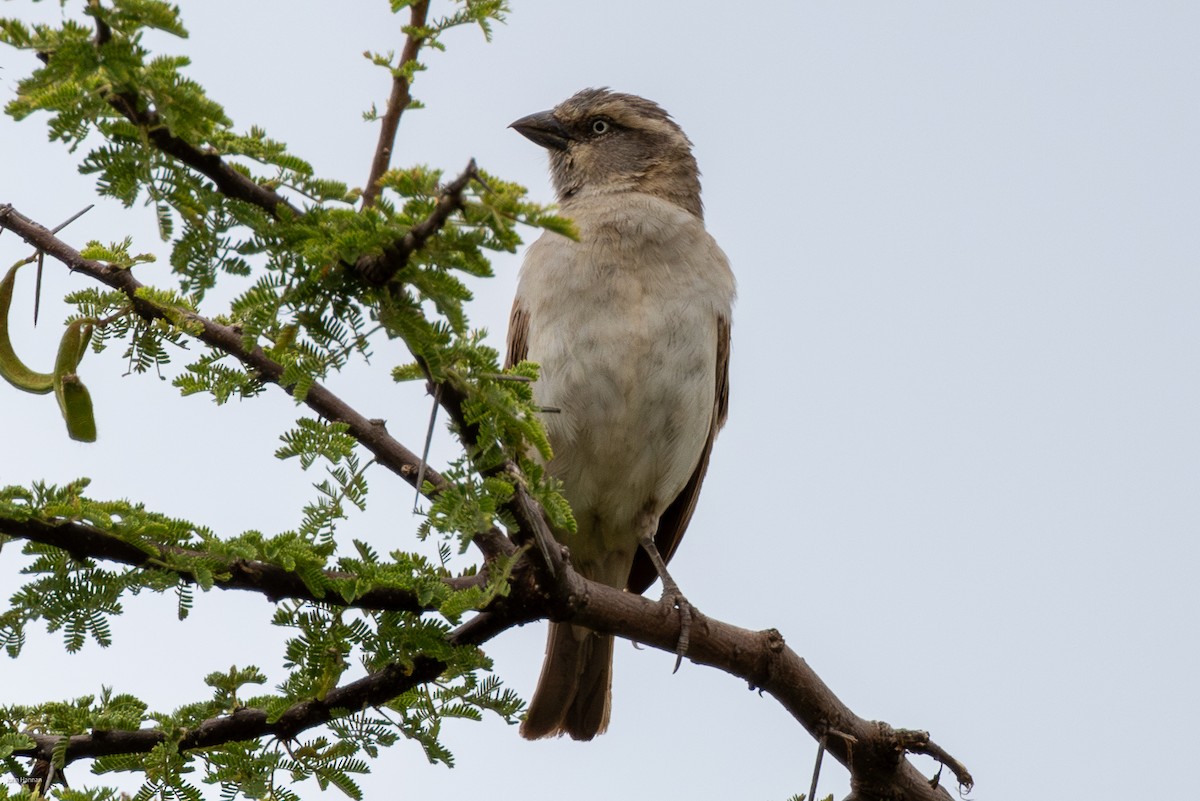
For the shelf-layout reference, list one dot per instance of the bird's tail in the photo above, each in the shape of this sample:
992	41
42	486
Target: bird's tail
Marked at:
574	692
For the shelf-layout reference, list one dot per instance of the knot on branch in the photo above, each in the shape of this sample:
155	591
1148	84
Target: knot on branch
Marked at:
918	742
772	649
886	748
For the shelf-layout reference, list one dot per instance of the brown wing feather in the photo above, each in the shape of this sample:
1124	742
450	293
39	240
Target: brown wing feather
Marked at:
518	335
675	519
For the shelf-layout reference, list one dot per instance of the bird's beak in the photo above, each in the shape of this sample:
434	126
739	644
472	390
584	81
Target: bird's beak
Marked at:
543	129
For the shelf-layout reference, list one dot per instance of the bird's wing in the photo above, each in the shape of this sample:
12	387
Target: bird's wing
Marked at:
518	335
674	520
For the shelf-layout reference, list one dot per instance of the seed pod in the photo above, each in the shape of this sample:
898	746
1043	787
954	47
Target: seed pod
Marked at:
74	400
12	368
76	404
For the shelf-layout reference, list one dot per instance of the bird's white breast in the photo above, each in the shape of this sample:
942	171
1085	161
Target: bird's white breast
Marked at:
624	325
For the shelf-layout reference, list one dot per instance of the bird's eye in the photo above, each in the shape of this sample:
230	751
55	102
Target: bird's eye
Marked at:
600	126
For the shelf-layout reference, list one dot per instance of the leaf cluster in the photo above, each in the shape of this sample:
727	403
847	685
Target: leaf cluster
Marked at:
236	210
329	643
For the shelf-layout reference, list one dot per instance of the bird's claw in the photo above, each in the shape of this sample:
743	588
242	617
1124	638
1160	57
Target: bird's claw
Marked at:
673	596
685	629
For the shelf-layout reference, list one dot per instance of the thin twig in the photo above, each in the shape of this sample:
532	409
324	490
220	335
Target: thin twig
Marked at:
399	100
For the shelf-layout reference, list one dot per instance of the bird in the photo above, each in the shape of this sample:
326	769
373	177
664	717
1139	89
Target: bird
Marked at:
630	326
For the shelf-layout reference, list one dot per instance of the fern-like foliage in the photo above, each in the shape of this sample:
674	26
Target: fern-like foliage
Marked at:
328	641
237	210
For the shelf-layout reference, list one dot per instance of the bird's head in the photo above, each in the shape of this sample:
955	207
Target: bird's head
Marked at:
602	141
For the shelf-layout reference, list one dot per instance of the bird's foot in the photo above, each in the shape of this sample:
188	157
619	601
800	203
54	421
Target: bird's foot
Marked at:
674	596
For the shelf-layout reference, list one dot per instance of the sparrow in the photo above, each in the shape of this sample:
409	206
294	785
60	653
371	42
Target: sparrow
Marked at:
630	325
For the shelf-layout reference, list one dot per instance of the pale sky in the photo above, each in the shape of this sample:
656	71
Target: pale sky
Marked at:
961	469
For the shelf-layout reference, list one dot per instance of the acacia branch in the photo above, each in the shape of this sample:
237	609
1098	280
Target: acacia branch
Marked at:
398	101
244	723
247	723
233	183
137	110
371	433
378	268
872	751
229	182
83	541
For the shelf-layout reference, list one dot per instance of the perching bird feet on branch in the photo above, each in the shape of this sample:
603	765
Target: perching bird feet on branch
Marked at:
671	594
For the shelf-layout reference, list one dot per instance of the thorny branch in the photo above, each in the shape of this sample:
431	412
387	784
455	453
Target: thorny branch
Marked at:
232	183
83	541
229	182
370	432
245	723
873	752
